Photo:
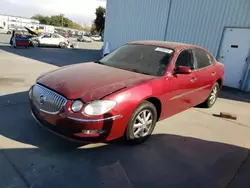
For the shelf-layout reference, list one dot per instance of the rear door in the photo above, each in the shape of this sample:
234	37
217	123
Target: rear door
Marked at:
55	40
205	73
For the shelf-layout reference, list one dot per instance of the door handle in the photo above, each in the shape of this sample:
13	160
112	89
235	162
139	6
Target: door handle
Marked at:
193	80
213	73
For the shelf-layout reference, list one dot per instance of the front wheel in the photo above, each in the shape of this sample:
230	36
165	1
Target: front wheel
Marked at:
62	45
35	43
141	123
210	101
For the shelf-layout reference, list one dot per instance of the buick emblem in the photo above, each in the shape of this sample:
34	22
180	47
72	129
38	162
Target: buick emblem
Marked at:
41	100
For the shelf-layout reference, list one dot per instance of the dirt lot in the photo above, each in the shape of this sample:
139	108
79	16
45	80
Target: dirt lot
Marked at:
192	149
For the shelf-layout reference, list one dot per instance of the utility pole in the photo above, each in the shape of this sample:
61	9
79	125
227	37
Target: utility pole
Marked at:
62	15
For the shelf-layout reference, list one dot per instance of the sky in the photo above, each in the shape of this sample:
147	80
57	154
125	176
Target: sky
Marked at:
80	11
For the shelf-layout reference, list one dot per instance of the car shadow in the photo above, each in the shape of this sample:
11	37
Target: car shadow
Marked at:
56	56
42	159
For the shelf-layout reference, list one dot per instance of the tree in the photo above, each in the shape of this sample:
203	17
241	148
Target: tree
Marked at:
57	20
93	29
99	22
41	18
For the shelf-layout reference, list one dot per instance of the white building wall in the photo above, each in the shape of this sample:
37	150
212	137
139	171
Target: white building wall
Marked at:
199	22
202	22
129	20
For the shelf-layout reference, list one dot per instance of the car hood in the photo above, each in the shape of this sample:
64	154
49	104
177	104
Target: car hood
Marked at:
90	81
30	31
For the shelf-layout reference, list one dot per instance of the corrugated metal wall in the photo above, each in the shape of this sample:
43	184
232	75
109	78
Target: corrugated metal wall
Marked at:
202	22
129	20
199	22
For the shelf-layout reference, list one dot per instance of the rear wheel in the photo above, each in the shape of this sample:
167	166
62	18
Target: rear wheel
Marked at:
210	101
141	123
8	32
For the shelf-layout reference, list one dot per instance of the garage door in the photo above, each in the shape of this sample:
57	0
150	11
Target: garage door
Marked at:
233	53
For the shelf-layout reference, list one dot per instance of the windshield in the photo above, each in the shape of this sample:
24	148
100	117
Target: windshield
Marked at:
143	59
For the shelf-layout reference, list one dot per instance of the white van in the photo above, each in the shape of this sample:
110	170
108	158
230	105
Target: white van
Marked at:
3	30
46	29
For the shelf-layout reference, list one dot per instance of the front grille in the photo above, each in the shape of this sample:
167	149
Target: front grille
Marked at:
47	100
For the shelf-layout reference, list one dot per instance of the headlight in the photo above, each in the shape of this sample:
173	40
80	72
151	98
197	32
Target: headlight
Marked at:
99	107
77	106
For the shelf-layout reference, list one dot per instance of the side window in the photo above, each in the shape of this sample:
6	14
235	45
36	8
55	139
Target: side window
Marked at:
55	36
47	36
202	58
186	59
211	59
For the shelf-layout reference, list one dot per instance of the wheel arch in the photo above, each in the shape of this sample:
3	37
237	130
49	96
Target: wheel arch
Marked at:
157	103
220	82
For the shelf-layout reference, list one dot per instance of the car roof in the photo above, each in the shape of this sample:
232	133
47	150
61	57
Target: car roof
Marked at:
165	44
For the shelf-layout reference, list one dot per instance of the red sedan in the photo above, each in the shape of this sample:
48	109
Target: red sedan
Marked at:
126	92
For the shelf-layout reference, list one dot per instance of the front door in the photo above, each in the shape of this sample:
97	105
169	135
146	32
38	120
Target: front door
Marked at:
181	88
233	53
46	40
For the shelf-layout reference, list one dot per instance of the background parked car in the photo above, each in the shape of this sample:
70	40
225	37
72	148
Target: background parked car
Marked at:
96	38
62	33
84	39
48	39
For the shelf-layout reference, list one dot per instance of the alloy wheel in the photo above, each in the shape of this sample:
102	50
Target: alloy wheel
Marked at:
142	124
35	43
213	95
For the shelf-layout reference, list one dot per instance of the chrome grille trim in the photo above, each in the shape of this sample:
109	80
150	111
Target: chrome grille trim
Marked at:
47	100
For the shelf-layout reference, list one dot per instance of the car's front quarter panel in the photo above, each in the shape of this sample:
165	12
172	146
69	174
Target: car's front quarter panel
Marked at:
129	99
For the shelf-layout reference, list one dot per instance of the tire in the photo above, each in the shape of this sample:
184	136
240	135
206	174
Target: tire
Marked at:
210	101
62	45
35	43
143	131
8	32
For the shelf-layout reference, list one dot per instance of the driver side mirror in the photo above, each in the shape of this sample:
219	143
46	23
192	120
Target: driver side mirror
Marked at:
182	70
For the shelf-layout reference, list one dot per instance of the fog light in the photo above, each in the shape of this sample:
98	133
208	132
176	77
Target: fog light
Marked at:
93	131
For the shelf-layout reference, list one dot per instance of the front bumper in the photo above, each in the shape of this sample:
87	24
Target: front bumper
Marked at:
78	129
